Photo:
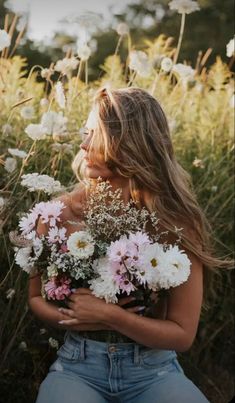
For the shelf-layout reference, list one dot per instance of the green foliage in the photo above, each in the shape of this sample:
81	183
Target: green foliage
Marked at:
200	116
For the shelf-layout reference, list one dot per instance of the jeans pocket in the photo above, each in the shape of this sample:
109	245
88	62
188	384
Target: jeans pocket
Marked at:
151	360
69	352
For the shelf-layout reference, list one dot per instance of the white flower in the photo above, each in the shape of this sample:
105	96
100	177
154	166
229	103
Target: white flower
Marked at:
176	269
183	71
198	163
104	286
140	63
27	112
83	51
122	29
152	258
6	129
166	64
35	131
5	39
53	343
17	153
59	94
65	65
214	189
81	244
53	122
56	234
44	102
10	164
45	183
22	257
42	331
184	6
230	48
10	293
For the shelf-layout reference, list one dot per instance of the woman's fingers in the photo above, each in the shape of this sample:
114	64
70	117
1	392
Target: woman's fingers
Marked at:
136	309
68	312
68	322
81	291
125	300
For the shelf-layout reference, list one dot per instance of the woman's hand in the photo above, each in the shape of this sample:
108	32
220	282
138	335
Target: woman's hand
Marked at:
86	310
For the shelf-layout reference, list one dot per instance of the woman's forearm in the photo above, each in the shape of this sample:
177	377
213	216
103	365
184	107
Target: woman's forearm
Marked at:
49	313
154	333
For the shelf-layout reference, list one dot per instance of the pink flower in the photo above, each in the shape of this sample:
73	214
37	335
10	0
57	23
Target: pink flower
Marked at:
126	286
63	248
139	238
56	234
49	211
58	289
118	250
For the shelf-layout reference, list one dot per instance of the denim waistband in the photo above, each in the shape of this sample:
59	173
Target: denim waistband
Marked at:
121	349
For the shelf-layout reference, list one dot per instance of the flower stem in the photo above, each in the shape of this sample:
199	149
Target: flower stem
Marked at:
180	38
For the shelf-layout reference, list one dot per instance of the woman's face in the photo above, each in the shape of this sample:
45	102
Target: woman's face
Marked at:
93	169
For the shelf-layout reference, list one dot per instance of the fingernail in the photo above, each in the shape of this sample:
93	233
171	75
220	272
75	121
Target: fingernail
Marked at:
61	322
73	289
141	308
60	309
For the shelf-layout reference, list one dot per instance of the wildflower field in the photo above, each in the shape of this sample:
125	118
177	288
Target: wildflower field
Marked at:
42	115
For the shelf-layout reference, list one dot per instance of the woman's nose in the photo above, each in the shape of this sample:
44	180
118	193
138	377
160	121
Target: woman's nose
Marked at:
85	143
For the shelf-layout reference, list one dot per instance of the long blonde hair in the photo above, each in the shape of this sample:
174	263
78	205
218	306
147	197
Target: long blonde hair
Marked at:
132	135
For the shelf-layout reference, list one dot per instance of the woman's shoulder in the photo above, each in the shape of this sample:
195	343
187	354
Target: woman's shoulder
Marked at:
73	202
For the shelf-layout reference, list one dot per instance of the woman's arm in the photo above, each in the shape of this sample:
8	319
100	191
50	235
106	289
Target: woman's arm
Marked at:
179	329
176	332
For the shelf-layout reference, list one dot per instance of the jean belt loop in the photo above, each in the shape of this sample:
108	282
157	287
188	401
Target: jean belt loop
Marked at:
82	349
136	354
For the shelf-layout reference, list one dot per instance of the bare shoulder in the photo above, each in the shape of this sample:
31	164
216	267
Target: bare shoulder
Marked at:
74	202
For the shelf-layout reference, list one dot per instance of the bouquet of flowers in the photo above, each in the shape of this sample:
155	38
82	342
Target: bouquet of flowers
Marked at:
117	252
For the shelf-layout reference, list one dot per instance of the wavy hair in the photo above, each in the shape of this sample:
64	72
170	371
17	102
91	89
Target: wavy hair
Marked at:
132	136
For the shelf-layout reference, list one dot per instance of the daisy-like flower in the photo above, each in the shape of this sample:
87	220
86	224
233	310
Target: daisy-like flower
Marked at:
230	48
5	39
27	112
53	122
118	250
176	269
56	234
28	222
59	94
122	29
139	238
22	257
35	131
139	62
184	6
10	164
104	286
17	153
166	64
151	259
49	211
66	65
83	51
81	244
126	285
45	183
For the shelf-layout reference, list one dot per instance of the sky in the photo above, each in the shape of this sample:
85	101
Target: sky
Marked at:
44	16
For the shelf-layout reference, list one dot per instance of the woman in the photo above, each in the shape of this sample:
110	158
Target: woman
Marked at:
112	354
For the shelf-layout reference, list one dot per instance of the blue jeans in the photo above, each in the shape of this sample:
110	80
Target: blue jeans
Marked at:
88	371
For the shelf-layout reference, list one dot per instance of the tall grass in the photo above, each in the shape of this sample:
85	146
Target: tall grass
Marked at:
201	116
